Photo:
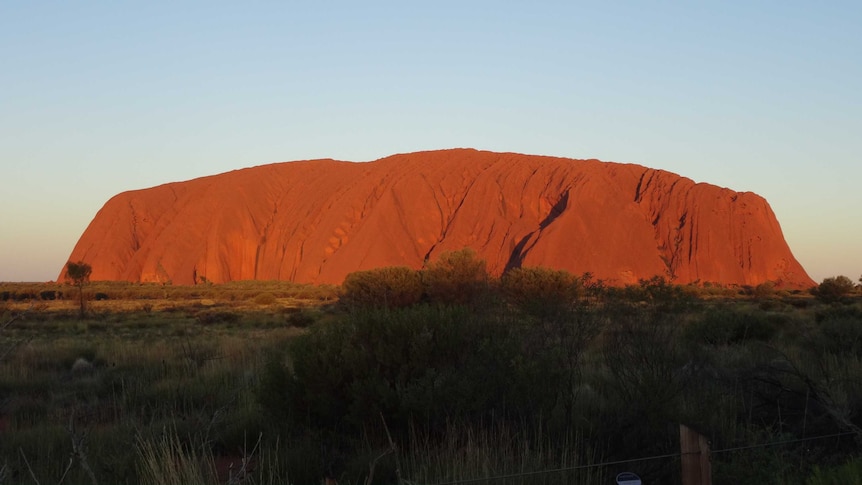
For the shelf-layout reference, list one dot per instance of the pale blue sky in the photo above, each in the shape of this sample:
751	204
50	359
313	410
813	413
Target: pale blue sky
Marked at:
101	97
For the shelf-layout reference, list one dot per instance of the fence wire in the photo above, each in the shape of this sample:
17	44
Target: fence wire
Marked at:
634	460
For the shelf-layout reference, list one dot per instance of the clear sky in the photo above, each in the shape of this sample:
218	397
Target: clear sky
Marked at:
101	97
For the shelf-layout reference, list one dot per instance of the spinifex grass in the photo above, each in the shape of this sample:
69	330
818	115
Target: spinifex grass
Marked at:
519	454
165	460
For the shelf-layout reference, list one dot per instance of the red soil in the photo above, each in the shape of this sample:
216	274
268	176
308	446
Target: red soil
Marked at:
316	221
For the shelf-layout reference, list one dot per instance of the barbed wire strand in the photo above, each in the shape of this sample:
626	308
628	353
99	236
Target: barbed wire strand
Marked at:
633	460
786	442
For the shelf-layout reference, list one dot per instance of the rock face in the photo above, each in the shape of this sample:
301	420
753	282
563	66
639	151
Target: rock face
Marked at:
316	221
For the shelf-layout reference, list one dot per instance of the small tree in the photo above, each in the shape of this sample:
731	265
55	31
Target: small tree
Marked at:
393	286
541	290
833	289
764	290
457	277
79	274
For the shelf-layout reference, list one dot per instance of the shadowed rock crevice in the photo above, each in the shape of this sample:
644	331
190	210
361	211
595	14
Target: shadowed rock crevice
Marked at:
516	259
556	211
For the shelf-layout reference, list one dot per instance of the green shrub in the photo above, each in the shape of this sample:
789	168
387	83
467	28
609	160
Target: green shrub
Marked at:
301	317
833	289
648	374
799	303
657	291
538	289
838	312
456	277
764	290
209	317
763	466
839	330
393	287
431	363
726	326
264	299
850	473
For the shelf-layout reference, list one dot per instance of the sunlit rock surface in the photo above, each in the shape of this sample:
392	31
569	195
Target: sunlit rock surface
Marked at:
316	221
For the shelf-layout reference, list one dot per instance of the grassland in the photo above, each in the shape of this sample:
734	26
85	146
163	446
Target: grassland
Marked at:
146	360
268	382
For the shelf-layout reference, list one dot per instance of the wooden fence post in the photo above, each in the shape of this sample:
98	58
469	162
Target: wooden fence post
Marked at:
694	455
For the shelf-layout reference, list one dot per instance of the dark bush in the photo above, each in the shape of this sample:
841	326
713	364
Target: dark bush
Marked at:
838	312
457	277
540	289
841	335
648	375
265	298
393	287
773	305
300	318
797	302
833	289
272	391
764	290
428	363
657	291
839	330
726	326
848	472
210	317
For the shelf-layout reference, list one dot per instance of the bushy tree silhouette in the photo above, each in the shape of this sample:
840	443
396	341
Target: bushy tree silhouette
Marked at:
79	275
393	286
456	277
834	288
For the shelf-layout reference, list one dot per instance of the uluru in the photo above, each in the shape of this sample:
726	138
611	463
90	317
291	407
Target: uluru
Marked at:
316	221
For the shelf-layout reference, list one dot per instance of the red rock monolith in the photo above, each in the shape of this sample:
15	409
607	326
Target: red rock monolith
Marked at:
316	221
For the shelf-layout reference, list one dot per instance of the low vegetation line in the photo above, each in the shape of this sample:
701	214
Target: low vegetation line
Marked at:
443	375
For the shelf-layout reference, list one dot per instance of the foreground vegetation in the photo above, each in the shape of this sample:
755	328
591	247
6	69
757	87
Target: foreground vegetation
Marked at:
427	377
